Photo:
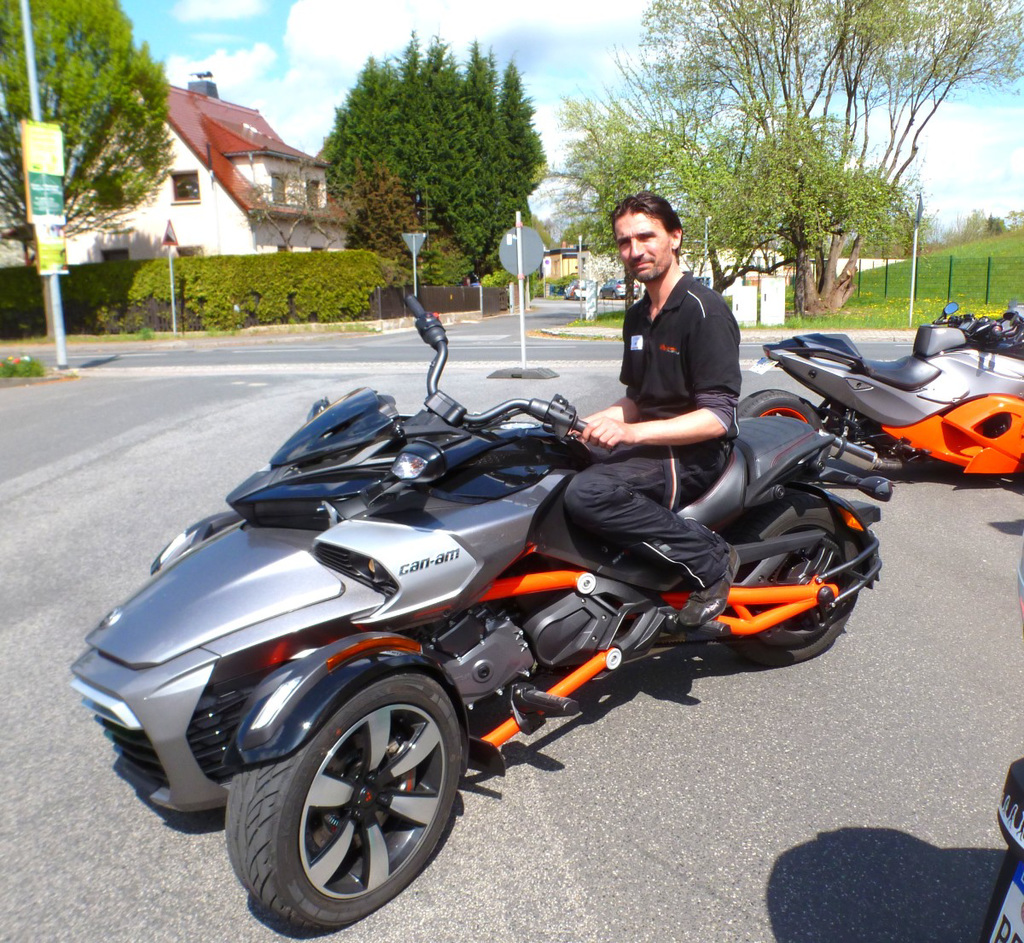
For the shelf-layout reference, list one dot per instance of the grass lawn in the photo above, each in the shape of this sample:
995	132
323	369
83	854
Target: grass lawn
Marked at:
888	314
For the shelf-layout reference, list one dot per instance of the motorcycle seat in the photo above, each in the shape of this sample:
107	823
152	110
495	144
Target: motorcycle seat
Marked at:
907	373
763	450
723	501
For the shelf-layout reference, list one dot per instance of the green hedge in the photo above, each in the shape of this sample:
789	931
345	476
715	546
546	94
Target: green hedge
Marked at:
218	293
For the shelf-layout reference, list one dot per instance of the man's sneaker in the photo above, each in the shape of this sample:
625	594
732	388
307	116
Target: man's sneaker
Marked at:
705	605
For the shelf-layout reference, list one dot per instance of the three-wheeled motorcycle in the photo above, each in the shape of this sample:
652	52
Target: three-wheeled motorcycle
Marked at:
312	655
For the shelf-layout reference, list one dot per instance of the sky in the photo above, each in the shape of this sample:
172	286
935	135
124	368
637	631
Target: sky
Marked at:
295	61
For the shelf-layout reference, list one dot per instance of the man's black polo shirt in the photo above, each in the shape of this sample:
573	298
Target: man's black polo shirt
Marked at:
692	347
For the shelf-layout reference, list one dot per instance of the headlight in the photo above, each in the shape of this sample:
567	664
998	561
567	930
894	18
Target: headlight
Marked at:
419	461
409	466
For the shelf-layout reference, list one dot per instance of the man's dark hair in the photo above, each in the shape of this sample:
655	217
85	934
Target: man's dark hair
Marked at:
649	204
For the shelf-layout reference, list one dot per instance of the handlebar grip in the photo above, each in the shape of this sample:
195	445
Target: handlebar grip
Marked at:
413	304
430	328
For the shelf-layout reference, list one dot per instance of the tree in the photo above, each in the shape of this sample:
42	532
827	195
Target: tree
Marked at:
109	97
457	140
795	126
380	210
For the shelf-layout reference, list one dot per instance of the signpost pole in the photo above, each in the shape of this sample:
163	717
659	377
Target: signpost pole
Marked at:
174	314
414	240
522	284
522	251
913	264
170	241
51	280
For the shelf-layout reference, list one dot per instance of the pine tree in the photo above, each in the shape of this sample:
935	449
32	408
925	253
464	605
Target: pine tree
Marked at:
523	153
379	211
450	136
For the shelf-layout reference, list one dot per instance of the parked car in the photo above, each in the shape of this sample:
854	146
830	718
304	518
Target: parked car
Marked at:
616	288
572	290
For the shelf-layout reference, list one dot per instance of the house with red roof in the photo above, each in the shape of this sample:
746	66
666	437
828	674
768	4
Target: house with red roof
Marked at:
235	188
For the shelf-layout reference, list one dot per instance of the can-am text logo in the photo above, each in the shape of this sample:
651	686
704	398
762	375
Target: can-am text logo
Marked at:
426	562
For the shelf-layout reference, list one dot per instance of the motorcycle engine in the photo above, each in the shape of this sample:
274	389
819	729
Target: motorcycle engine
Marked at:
570	629
487	650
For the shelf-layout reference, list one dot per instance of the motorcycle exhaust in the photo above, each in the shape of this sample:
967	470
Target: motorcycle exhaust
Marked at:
853	454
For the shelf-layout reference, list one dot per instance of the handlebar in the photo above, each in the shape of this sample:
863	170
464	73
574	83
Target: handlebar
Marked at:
557	412
984	332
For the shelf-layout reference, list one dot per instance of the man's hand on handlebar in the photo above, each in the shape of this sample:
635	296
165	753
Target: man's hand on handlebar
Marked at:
607	432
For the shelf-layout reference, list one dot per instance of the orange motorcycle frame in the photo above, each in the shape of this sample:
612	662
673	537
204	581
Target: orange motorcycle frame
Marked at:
983	436
753	609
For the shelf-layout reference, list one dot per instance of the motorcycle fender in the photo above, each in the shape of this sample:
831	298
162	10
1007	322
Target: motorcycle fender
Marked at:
983	436
291	705
856	515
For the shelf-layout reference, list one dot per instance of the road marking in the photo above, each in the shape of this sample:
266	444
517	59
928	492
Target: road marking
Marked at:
336	369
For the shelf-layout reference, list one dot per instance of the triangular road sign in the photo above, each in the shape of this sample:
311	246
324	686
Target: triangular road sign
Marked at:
169	238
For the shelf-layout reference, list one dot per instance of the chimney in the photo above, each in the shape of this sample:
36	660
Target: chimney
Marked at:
203	85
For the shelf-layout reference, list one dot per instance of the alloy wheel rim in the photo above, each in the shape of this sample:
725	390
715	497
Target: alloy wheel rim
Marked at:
372	801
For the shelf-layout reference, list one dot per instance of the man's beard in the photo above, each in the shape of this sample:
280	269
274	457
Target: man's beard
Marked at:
652	274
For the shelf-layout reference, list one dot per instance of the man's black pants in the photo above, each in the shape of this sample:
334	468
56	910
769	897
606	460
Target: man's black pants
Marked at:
630	498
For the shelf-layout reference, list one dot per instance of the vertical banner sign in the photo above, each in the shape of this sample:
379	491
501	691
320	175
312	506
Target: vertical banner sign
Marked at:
42	147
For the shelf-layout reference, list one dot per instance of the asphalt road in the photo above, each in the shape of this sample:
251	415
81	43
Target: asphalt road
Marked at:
852	798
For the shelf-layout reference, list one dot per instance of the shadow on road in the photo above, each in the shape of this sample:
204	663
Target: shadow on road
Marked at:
667	675
98	362
879	884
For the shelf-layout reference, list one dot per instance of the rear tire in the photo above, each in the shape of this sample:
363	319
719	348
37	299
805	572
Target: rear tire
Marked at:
778	403
335	831
813	632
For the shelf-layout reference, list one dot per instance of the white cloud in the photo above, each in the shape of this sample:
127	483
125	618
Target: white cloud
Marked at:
236	73
192	11
554	56
973	159
328	43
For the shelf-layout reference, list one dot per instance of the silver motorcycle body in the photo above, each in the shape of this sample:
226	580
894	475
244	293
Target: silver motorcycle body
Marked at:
942	371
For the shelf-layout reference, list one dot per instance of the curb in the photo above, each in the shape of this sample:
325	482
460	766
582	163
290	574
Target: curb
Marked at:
6	382
283	334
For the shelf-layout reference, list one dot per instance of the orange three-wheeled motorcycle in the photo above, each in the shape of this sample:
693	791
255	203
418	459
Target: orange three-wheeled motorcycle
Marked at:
958	398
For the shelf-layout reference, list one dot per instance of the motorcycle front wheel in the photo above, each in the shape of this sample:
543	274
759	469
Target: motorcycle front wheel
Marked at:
335	831
813	632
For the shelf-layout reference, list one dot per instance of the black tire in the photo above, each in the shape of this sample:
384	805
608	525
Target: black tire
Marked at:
778	403
335	831
811	633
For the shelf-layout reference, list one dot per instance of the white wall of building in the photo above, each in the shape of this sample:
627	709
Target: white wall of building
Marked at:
212	225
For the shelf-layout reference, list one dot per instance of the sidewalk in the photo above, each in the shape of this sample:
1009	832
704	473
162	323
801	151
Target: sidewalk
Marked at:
277	334
330	333
751	335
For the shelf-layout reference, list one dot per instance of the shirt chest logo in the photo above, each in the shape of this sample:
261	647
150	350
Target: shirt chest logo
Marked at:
636	342
668	349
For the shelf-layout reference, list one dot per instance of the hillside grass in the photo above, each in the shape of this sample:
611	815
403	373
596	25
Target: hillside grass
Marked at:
983	277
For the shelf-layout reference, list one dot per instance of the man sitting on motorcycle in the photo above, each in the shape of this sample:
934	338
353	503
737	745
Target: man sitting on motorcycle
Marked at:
669	437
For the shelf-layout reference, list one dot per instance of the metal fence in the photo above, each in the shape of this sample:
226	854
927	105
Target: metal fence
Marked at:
389	303
988	280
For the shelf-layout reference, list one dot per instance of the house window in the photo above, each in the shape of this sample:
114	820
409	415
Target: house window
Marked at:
313	194
115	255
276	188
190	250
185	187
